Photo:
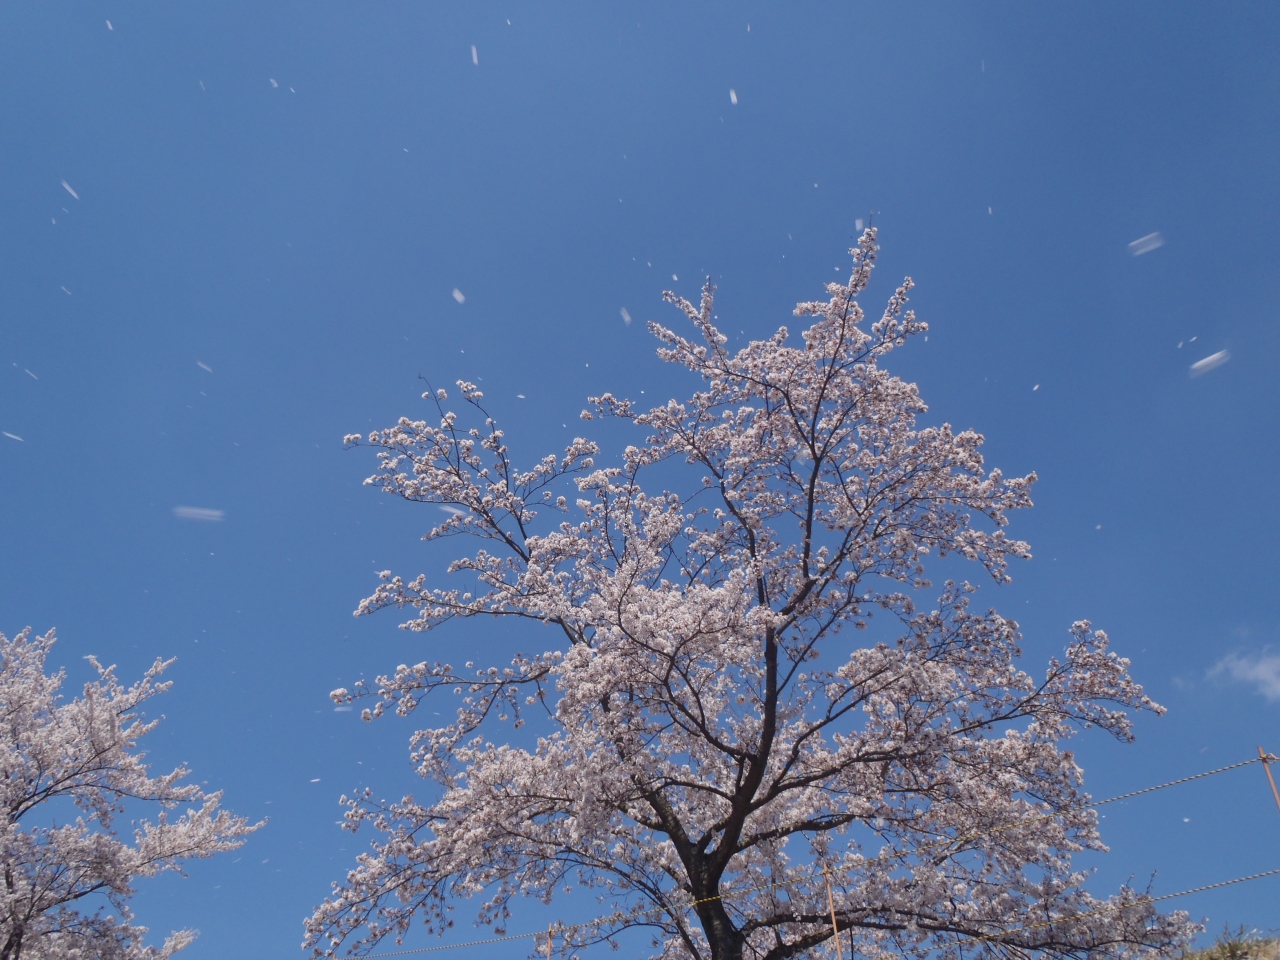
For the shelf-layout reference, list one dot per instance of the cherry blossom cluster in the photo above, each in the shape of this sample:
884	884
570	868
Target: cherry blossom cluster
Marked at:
718	738
71	769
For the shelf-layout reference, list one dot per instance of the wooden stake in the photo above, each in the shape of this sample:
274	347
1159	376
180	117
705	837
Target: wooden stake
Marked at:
549	929
1272	780
831	902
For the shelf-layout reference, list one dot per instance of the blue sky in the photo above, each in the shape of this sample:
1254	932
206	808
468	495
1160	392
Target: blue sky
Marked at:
276	202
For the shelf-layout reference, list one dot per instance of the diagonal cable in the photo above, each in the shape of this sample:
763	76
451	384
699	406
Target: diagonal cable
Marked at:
952	841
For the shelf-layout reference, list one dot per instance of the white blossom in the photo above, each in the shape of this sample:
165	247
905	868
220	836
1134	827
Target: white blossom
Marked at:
715	737
71	770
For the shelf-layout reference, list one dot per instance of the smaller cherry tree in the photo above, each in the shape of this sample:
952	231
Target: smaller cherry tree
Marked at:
69	768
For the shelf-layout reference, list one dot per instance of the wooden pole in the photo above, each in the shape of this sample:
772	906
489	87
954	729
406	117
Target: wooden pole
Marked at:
831	902
549	929
1266	765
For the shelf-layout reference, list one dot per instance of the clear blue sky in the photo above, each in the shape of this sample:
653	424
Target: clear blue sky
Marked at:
288	194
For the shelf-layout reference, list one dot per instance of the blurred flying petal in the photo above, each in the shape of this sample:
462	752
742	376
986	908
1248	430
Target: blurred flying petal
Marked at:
626	317
198	513
204	366
475	56
458	295
69	190
1211	362
733	96
12	436
1146	244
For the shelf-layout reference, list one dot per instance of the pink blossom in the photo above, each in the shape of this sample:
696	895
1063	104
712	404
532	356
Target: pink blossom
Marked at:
71	768
717	731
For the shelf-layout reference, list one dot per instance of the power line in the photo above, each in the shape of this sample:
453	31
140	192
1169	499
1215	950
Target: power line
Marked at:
955	841
1263	758
1140	902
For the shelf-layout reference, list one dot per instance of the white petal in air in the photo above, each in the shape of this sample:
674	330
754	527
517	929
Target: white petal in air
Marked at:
733	96
11	436
67	187
626	317
1211	362
457	295
273	82
204	366
1146	244
475	57
198	513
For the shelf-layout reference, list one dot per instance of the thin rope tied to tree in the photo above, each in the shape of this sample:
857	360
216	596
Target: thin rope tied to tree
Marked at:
1263	758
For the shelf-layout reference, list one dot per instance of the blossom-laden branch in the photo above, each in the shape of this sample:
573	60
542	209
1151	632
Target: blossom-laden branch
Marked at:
71	768
715	737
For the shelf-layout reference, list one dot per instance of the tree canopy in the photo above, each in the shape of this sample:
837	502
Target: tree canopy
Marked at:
70	769
752	693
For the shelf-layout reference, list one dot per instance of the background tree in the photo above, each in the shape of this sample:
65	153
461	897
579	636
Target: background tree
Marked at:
718	743
71	768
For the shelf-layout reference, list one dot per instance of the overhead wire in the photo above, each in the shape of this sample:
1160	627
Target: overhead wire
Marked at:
1263	758
1114	907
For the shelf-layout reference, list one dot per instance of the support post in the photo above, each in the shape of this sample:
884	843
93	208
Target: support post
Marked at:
831	902
1266	765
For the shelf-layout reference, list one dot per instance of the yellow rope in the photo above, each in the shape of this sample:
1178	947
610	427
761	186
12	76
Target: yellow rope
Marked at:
935	845
1144	901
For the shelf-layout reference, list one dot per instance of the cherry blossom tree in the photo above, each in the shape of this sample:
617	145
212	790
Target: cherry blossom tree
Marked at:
71	769
754	732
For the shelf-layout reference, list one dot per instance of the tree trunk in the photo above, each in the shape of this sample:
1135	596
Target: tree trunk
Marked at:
12	949
726	940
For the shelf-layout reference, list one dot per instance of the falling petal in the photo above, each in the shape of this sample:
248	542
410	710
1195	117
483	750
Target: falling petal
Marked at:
1211	362
1146	244
199	513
